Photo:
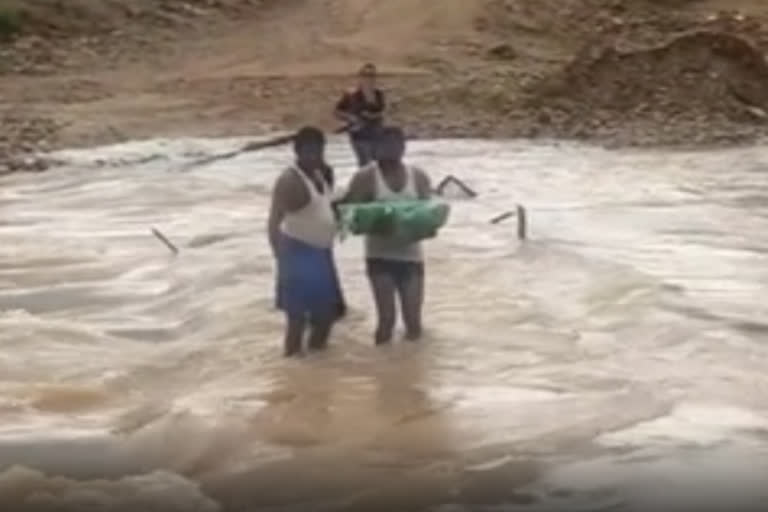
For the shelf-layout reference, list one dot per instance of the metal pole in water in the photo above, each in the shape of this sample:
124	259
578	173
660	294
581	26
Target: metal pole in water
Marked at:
165	241
504	216
522	222
453	179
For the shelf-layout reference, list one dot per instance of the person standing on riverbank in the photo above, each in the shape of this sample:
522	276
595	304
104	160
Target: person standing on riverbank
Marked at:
395	267
301	229
363	109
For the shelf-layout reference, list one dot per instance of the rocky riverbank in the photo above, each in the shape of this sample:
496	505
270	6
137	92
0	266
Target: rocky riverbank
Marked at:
641	72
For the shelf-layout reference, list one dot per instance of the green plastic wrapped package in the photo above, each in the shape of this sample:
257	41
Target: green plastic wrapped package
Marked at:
407	220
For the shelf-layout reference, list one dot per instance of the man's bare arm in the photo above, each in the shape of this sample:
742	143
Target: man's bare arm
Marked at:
348	118
371	115
360	189
423	184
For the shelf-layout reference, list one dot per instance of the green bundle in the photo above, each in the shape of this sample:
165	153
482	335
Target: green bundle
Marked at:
407	220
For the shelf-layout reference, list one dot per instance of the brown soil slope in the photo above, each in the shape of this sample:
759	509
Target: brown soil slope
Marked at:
623	71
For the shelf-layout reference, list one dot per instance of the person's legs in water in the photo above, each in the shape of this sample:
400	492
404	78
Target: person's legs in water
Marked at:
308	293
294	334
410	288
341	307
384	289
320	330
285	300
324	310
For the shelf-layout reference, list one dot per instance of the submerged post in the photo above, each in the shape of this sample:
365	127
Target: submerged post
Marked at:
502	217
522	222
453	179
165	241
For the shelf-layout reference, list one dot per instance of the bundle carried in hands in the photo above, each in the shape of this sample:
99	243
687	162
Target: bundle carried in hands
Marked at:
408	220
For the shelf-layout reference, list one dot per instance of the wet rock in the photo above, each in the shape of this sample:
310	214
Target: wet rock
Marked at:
502	51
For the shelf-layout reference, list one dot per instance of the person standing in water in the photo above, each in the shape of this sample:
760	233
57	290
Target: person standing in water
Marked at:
363	109
395	268
341	310
302	228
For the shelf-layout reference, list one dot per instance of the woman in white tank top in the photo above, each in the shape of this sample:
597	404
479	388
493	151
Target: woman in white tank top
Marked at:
302	227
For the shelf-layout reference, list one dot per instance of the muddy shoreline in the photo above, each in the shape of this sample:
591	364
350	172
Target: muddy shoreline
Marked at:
607	72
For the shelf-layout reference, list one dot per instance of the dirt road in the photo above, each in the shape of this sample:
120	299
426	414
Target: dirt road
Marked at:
618	71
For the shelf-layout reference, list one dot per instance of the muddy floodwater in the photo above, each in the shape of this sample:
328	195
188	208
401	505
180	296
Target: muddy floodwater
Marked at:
616	360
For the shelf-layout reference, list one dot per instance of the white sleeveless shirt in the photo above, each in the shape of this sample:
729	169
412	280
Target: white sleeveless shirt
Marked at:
315	223
383	247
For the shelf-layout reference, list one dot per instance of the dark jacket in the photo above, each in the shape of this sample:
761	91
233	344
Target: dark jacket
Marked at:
355	103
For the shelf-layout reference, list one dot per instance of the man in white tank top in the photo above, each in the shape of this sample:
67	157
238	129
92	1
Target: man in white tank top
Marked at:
394	268
302	228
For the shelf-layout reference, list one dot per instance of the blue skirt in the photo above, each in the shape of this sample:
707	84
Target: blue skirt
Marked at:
307	280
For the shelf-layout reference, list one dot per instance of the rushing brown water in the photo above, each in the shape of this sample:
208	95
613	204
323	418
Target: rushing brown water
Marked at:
614	360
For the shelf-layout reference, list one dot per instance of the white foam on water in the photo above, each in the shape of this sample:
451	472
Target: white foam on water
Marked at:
28	489
694	424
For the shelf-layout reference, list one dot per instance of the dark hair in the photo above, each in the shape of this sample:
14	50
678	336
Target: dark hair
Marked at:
308	136
369	68
392	132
